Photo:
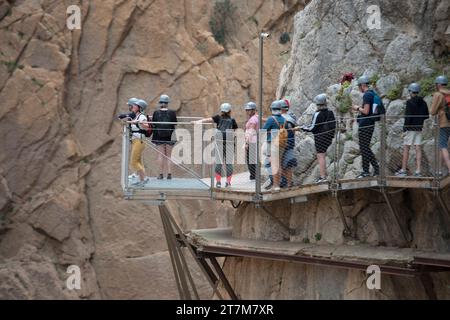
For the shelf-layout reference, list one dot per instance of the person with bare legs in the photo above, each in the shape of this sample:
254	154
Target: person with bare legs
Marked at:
164	121
441	107
323	126
416	113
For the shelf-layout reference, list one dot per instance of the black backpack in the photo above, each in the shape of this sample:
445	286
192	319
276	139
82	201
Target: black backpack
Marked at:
146	132
164	130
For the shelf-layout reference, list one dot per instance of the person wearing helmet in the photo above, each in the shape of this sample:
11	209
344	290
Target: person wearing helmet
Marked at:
366	126
441	107
251	131
224	142
289	161
164	121
416	113
323	125
129	115
138	124
273	126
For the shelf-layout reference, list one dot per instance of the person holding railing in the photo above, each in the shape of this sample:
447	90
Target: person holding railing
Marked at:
366	123
416	113
225	143
288	159
251	131
163	122
138	124
128	116
275	128
323	126
441	107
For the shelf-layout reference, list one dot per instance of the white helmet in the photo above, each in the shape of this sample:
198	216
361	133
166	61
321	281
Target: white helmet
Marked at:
250	106
225	107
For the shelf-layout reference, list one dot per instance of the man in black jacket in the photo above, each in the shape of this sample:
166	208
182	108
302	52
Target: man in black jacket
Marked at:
415	114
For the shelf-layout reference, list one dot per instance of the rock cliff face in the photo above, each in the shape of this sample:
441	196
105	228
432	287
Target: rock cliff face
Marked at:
60	200
330	38
333	37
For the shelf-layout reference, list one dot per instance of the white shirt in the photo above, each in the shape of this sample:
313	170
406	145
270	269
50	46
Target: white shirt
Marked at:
134	127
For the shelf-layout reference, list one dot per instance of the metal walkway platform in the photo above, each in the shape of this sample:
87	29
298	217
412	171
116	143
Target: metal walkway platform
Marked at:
186	188
397	261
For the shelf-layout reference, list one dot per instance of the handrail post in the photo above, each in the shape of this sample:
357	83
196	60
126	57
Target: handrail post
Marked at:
337	136
125	156
383	145
203	170
260	115
437	156
213	163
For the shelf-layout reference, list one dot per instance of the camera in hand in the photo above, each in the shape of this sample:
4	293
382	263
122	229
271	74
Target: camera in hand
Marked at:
129	115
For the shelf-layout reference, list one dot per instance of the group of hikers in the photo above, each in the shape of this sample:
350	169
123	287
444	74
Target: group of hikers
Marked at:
281	126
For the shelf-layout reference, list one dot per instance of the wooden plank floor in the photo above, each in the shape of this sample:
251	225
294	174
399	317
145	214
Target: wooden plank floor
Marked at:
209	239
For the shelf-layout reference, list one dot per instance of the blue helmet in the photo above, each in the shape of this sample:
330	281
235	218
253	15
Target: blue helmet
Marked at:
441	80
132	101
363	80
250	106
414	87
142	104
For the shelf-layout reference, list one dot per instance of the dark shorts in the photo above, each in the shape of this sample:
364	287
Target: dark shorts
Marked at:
444	135
163	142
322	143
289	159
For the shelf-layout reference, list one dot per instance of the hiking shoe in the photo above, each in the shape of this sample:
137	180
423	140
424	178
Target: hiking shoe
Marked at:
227	185
417	174
161	177
252	178
321	180
133	176
218	185
363	175
401	173
169	176
267	185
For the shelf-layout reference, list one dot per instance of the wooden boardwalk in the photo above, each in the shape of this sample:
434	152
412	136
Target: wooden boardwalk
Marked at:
244	190
398	261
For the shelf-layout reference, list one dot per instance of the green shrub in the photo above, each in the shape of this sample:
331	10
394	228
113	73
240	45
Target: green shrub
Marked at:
285	38
344	102
254	20
306	240
395	93
220	20
374	79
10	65
318	237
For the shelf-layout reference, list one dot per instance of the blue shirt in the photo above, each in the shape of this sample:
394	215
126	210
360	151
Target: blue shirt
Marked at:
272	125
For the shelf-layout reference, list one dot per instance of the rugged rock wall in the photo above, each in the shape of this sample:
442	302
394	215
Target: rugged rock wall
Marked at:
317	222
60	200
330	38
333	37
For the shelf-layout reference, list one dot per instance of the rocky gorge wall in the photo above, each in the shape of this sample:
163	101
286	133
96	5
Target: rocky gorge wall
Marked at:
60	197
331	38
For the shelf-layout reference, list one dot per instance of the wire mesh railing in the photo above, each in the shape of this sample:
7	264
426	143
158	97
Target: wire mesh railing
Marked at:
197	156
177	156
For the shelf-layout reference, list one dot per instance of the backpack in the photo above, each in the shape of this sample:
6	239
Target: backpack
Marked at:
164	130
146	132
378	107
447	106
282	137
